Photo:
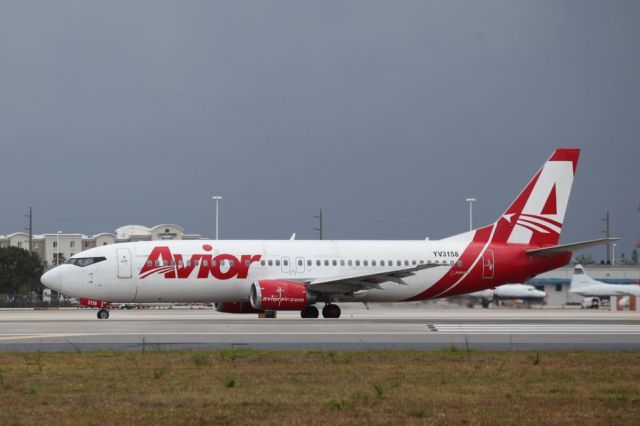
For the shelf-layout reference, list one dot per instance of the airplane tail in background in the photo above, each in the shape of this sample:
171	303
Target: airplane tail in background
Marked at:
537	214
580	279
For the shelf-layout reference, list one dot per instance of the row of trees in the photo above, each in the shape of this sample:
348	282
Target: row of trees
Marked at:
586	259
20	271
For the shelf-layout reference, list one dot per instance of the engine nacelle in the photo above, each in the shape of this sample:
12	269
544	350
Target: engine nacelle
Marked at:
279	295
235	308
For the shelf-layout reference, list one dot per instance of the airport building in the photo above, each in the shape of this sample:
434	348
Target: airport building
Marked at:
47	246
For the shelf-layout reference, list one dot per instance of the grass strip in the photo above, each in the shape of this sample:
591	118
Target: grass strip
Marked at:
241	386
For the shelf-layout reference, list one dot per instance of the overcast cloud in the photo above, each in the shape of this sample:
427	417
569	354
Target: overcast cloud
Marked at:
386	113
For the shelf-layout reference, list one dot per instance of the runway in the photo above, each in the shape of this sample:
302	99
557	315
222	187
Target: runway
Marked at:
384	327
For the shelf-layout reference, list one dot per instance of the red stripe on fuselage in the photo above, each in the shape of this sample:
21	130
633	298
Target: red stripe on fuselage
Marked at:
455	272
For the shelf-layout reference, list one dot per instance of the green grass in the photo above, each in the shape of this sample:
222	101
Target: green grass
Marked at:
370	387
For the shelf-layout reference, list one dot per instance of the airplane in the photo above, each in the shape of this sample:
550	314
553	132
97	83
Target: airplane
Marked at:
584	285
241	276
508	292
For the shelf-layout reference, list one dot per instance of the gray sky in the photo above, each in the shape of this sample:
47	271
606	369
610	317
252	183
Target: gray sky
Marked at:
386	113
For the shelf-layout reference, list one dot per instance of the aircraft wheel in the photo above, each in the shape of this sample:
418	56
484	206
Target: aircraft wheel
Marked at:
103	314
309	312
331	311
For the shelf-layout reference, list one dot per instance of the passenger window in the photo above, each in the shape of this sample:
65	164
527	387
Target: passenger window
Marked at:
373	263
365	263
262	262
382	263
334	262
422	262
165	263
318	263
399	263
247	263
413	262
342	262
277	263
357	263
350	263
406	263
326	263
188	262
309	263
205	263
214	263
149	263
285	262
271	263
158	262
459	263
300	262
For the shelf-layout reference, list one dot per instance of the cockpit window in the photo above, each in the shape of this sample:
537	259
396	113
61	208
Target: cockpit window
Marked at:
85	261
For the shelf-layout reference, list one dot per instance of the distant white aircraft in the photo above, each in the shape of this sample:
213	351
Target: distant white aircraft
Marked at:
528	293
585	286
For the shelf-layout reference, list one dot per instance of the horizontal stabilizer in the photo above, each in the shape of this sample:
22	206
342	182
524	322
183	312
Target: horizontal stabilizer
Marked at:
564	248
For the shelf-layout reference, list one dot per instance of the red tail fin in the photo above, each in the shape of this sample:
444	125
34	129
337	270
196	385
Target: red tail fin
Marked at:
537	214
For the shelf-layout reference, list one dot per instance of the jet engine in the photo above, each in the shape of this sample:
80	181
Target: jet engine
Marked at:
279	295
235	308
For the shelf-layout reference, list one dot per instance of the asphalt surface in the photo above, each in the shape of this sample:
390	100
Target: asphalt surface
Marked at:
381	327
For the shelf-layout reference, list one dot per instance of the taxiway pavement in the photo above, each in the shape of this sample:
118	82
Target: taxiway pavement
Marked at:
382	327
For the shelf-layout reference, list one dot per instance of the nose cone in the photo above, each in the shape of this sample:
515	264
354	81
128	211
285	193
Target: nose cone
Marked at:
53	279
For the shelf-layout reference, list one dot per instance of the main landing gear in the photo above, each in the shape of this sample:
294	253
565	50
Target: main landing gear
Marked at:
309	312
103	314
329	311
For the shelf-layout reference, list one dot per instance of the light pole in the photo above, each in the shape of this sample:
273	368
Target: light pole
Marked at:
613	246
217	198
58	247
471	201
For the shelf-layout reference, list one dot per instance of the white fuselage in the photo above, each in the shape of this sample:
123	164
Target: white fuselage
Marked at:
510	291
606	290
130	273
583	285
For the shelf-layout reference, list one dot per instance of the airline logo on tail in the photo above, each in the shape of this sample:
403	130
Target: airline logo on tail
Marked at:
536	216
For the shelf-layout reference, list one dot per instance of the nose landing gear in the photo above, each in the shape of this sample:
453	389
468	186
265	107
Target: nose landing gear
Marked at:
103	314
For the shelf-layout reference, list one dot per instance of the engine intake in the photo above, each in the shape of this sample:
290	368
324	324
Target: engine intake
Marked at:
279	295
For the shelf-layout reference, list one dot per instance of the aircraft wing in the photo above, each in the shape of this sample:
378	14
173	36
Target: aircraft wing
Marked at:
343	284
563	248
